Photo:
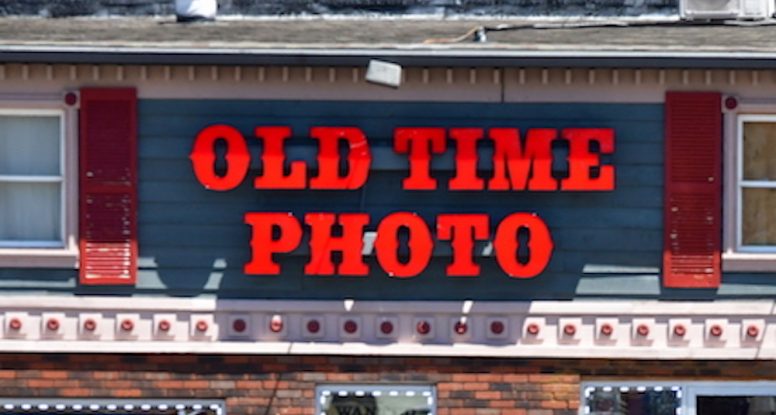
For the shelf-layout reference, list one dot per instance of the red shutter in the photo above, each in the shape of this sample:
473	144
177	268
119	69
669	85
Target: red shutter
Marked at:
693	190
108	183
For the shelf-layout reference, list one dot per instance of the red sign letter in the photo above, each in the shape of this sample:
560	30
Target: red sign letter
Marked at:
273	160
463	229
387	245
535	160
539	245
416	142
581	160
466	159
203	157
322	243
263	244
359	158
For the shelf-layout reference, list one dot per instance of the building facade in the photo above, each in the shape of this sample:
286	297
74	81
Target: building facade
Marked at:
188	229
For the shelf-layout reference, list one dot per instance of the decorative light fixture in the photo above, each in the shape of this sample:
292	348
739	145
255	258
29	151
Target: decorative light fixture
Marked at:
384	73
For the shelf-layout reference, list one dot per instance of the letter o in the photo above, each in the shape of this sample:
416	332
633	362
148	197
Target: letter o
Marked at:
203	157
387	244
506	245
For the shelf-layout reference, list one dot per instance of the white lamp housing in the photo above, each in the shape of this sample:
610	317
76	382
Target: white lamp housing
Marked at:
193	10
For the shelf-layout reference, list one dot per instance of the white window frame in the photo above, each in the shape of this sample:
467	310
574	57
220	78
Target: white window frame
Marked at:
101	406
46	254
737	257
688	391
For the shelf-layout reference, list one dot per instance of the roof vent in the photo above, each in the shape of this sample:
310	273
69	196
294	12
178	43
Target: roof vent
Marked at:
195	10
725	9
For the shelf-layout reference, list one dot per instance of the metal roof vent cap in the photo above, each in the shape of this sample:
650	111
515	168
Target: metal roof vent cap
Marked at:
195	10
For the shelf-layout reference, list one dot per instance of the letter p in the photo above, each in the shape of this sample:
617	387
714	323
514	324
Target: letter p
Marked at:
273	233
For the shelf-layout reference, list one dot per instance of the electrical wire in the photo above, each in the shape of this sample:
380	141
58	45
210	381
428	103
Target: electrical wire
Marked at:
479	33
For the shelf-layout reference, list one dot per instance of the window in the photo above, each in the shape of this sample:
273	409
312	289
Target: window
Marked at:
756	177
750	188
630	399
37	185
375	400
680	398
31	179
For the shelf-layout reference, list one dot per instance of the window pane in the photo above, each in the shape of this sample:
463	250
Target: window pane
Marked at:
736	405
30	212
29	145
759	217
623	401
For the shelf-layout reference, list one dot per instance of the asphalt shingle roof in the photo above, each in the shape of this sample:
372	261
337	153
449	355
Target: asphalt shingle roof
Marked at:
398	36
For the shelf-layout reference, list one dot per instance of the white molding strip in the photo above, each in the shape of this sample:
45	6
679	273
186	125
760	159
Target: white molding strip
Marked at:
579	329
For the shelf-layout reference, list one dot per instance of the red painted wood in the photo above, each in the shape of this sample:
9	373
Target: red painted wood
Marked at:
693	190
108	186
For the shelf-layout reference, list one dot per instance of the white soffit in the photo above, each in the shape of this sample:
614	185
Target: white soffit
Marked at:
582	329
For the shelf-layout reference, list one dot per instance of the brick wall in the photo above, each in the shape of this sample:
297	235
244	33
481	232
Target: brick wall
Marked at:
272	7
270	385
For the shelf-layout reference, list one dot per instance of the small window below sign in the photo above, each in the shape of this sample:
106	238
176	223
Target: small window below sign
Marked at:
680	398
375	400
639	399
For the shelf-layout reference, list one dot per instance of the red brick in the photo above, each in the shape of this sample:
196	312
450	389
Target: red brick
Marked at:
452	403
562	387
127	393
54	374
247	402
118	384
464	377
490	378
169	384
487	395
40	383
75	392
451	386
476	386
554	404
514	411
539	396
249	384
515	378
543	378
196	384
339	376
222	384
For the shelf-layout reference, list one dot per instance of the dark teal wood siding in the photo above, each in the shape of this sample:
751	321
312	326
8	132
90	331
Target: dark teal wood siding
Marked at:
193	241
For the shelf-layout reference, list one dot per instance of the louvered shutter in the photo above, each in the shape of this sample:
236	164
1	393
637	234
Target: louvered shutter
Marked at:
693	190
107	186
